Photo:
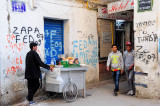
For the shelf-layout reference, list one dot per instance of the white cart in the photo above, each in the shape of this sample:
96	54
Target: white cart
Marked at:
74	79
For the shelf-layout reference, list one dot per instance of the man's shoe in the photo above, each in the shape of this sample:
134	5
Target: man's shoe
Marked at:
32	102
115	93
129	93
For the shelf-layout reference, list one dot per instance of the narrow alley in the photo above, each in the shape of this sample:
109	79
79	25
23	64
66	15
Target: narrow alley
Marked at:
99	96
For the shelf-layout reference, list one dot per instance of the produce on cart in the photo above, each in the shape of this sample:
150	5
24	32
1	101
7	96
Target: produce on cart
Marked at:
70	62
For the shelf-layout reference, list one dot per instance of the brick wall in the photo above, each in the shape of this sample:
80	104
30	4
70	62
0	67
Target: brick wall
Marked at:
104	26
103	73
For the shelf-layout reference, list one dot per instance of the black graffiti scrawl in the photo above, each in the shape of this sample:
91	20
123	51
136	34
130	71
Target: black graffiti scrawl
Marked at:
28	35
144	55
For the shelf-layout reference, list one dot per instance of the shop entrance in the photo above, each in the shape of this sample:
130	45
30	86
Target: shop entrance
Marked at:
123	34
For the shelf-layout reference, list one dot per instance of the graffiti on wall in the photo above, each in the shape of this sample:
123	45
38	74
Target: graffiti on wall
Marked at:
144	55
86	49
143	38
13	46
25	35
147	37
16	45
146	23
53	45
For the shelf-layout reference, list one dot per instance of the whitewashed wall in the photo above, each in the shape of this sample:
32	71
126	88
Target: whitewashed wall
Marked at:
3	31
17	27
146	26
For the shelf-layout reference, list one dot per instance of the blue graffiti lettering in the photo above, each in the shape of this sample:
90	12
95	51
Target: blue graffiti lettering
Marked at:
80	44
89	55
74	45
85	43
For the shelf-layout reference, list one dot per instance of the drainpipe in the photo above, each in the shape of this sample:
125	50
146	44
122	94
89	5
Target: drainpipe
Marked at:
112	31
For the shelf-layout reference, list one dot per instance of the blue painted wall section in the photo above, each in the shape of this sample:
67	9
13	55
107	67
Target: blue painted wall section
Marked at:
53	30
18	6
86	47
140	73
143	85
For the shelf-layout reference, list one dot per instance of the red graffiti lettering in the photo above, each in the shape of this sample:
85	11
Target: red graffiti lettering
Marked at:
13	69
17	60
12	37
12	45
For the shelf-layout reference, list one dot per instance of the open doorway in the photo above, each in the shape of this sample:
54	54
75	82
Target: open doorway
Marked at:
120	35
120	40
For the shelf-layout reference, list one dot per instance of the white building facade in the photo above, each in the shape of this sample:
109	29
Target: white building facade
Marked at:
58	26
146	28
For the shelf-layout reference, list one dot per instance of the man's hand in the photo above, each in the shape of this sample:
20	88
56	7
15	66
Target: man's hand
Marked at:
107	68
130	68
51	68
121	71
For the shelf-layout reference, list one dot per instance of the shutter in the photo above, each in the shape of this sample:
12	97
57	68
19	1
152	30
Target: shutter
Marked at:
53	30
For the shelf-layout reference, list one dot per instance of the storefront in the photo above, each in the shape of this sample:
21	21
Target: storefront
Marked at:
115	28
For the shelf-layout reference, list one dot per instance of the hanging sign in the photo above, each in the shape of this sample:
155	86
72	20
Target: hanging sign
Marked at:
145	5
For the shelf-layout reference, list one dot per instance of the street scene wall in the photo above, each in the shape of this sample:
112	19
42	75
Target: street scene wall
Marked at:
4	27
146	28
20	27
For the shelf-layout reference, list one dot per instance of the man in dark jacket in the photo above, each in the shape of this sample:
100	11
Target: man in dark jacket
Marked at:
32	71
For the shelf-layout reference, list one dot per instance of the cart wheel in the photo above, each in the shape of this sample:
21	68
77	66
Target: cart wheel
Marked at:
51	94
70	92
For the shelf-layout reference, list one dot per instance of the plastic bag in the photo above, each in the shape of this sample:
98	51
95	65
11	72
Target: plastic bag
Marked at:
54	77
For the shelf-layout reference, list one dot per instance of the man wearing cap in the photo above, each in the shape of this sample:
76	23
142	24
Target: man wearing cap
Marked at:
129	67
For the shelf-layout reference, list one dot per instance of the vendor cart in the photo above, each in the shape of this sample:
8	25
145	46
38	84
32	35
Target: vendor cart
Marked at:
68	82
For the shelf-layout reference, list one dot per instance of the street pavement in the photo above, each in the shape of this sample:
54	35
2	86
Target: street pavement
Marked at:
99	96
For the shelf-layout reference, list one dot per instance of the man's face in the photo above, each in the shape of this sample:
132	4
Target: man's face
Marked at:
128	48
114	48
35	48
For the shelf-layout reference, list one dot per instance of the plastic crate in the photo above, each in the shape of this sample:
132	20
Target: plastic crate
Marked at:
65	64
73	65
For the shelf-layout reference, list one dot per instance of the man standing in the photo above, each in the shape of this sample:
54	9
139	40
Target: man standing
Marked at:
115	60
129	67
32	71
